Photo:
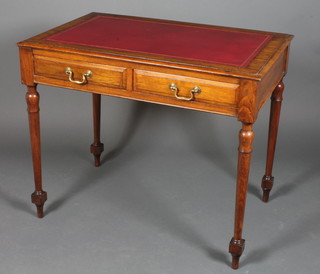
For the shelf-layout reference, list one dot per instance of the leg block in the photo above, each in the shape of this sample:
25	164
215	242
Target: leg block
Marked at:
38	198
266	185
96	150
236	248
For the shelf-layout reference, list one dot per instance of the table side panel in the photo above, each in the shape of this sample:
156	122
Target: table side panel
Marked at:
211	91
270	80
143	64
26	66
102	75
151	98
138	81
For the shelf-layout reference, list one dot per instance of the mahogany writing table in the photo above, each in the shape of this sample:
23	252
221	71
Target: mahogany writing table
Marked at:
220	70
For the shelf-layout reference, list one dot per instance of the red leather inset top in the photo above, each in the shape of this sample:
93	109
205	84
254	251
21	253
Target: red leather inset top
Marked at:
197	43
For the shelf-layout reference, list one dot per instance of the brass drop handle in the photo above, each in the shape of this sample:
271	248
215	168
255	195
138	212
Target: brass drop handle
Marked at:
85	76
174	88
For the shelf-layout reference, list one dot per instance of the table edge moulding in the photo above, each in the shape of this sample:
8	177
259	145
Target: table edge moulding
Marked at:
220	70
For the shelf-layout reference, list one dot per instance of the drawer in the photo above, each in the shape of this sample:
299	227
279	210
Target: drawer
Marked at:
101	75
186	88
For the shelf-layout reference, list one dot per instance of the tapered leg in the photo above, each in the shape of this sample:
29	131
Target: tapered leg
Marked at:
236	245
276	99
39	196
97	147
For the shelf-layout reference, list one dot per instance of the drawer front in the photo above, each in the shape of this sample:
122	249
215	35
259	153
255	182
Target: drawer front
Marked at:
101	75
215	92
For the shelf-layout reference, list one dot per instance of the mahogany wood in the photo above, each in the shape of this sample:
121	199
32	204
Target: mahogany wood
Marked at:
97	147
276	100
228	90
246	136
39	196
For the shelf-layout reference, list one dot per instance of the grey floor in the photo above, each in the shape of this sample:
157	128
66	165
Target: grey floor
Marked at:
163	199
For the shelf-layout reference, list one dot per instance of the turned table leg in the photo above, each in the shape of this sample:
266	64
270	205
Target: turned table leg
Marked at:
236	245
276	99
97	147
38	197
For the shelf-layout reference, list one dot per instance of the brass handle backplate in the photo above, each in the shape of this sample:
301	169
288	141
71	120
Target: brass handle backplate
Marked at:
85	76
174	88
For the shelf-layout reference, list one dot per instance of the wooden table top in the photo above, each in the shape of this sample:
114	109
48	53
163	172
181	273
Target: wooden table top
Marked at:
197	45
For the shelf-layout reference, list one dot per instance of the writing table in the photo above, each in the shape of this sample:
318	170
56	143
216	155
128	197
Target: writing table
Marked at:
220	70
